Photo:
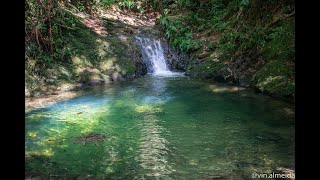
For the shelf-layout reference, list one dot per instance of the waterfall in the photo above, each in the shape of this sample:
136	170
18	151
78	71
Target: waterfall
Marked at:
153	55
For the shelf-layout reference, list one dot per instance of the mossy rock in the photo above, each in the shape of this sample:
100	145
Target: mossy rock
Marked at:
94	59
276	78
206	69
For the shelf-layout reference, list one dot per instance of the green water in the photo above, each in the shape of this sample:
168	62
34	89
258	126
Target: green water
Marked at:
165	128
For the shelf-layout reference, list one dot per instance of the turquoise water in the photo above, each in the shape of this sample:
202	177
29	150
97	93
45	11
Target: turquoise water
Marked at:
165	128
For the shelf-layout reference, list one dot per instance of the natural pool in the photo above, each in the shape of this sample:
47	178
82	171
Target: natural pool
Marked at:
167	127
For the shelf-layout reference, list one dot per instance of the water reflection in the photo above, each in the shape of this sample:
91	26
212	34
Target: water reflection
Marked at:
153	146
162	128
158	86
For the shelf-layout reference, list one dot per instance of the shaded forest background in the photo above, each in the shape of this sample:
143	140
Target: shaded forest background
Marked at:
247	42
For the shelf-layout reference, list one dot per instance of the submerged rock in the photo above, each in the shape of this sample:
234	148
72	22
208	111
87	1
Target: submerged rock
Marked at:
92	137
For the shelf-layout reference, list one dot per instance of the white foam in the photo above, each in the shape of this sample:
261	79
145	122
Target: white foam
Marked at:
168	74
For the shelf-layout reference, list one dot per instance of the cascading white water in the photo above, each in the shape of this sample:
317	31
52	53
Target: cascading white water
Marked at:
153	56
152	52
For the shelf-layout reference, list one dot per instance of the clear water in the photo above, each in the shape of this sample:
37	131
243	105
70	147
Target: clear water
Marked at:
162	128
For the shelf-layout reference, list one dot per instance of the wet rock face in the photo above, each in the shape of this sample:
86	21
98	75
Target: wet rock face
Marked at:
178	60
245	68
141	68
240	71
175	59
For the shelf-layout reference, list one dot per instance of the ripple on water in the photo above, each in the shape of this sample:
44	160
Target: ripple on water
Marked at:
168	128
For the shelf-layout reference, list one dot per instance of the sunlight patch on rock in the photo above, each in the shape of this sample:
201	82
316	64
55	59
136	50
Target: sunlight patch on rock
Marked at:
222	89
269	80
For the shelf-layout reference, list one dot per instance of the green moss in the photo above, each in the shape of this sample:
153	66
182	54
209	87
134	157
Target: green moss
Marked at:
208	68
246	33
108	55
82	43
91	57
124	51
276	77
126	68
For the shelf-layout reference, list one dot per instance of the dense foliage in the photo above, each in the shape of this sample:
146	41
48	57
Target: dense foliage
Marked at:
47	21
64	48
242	24
261	30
